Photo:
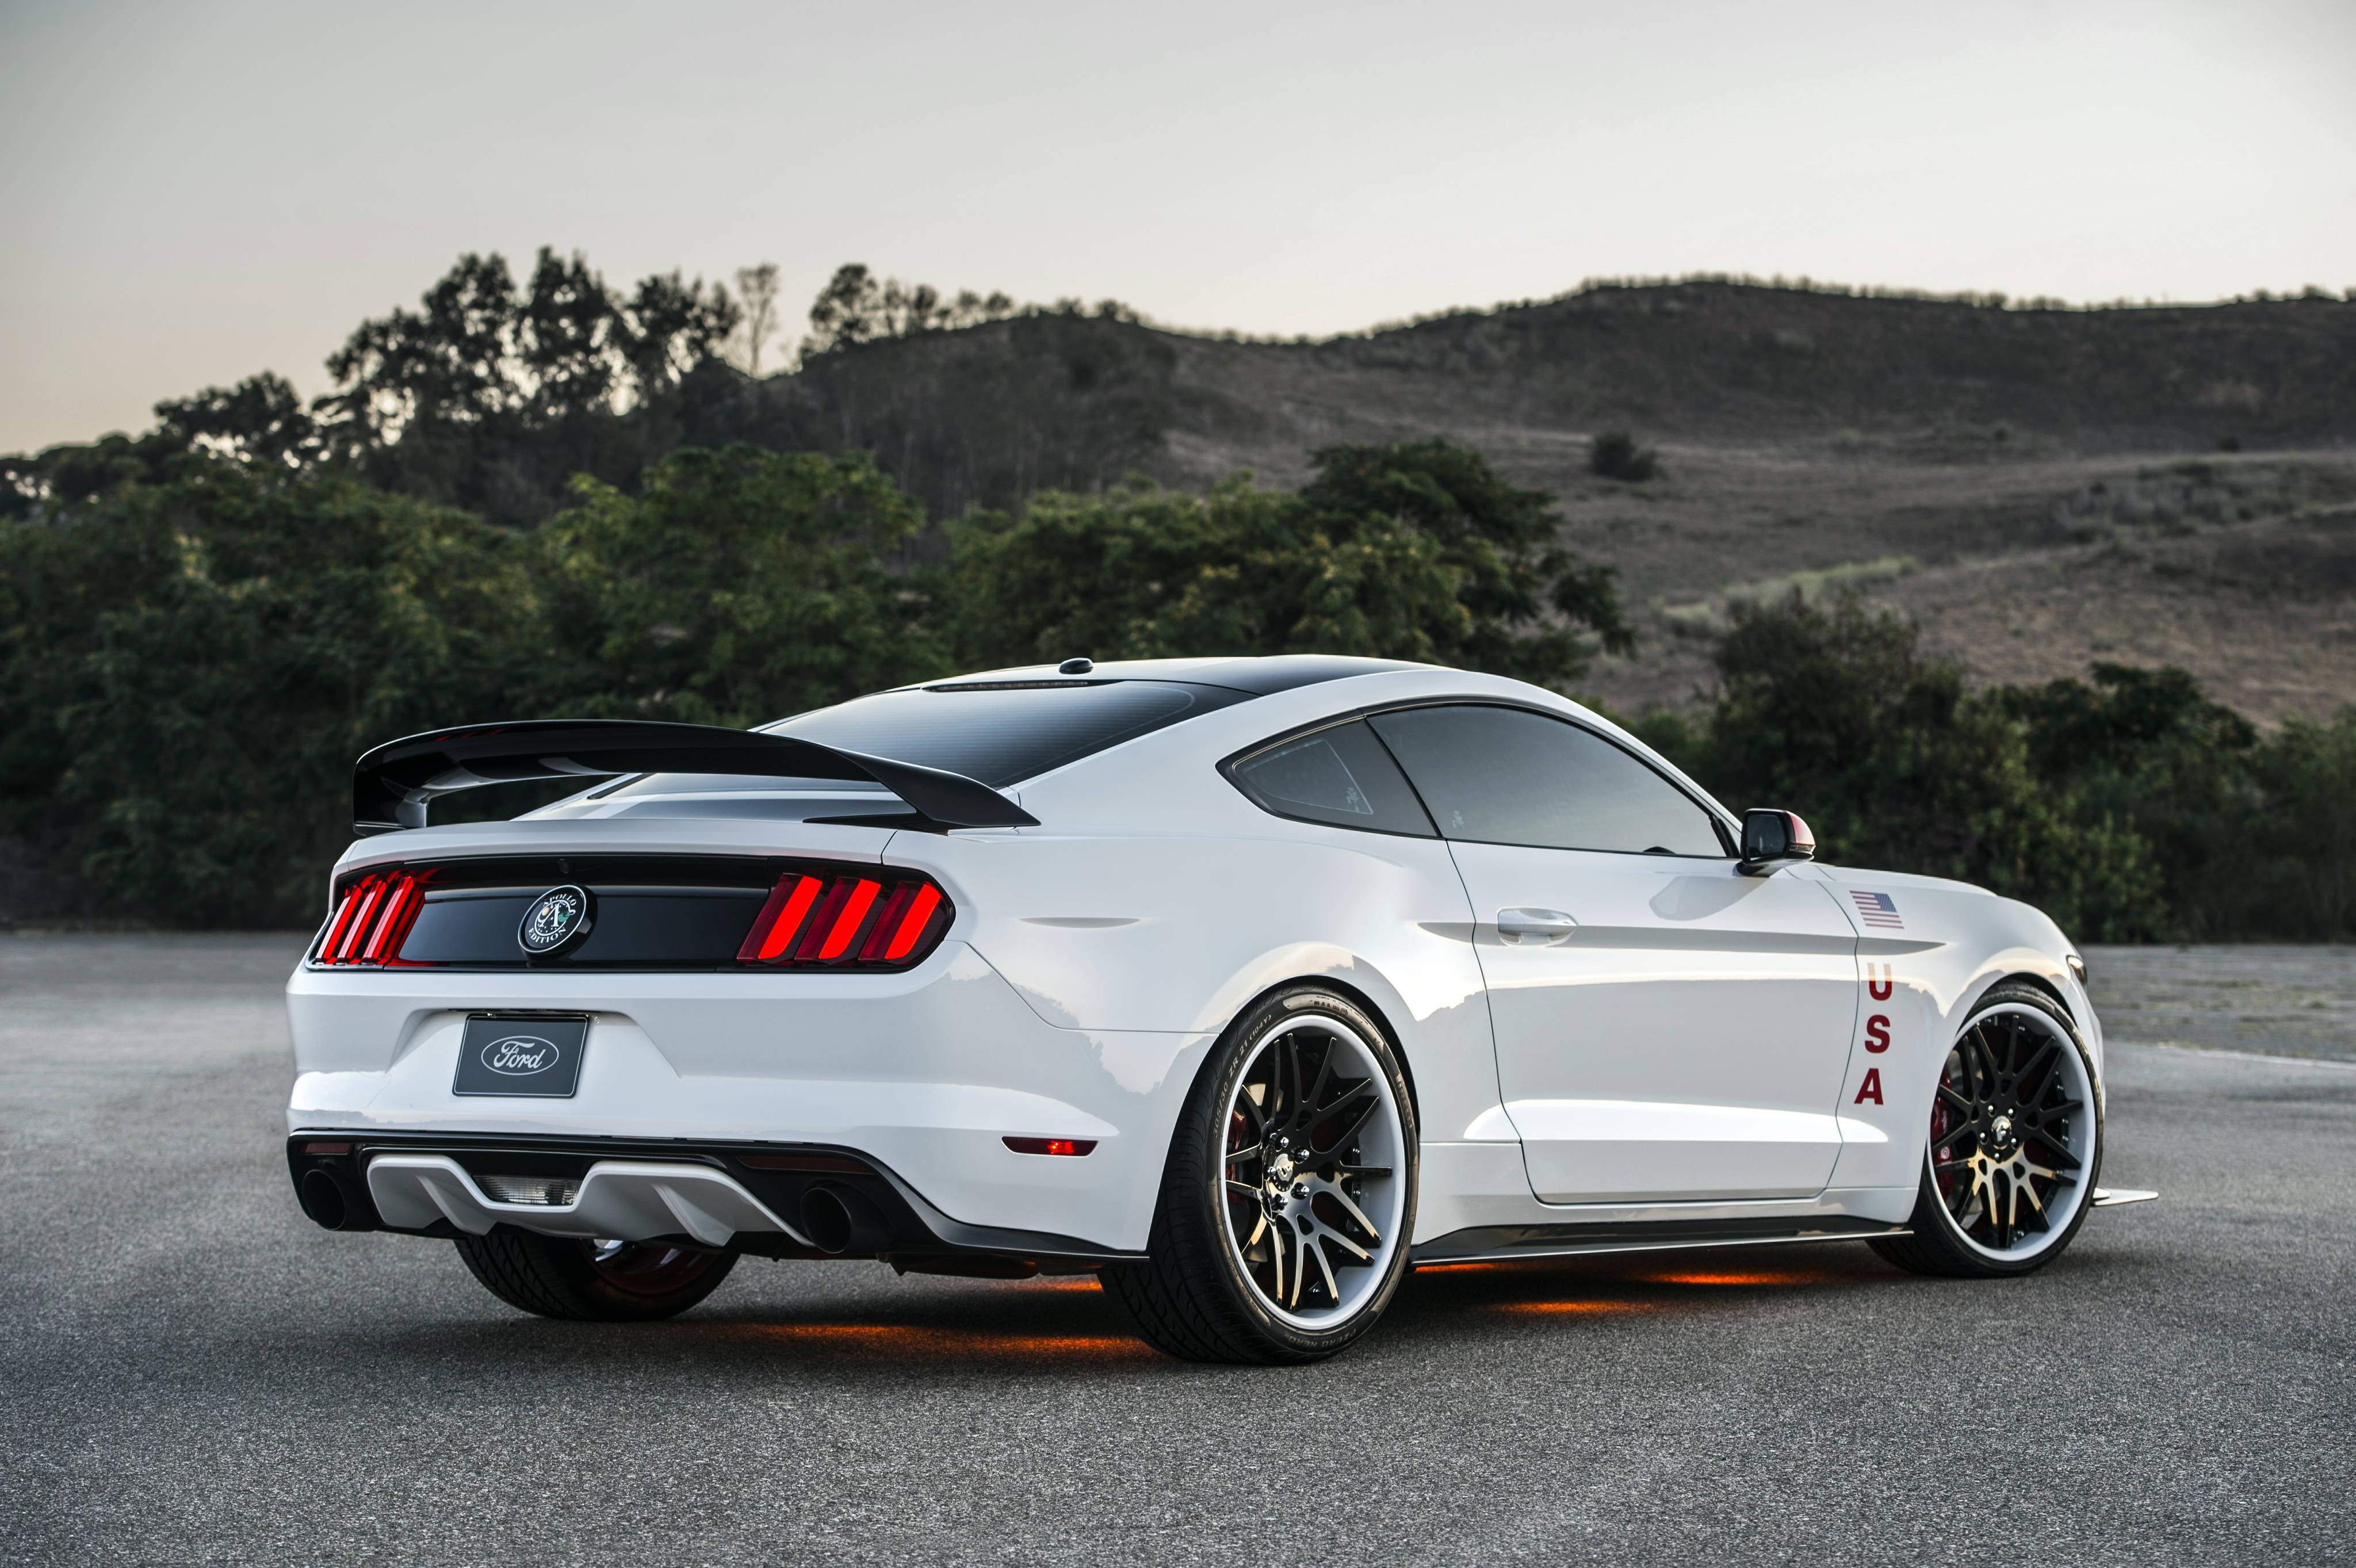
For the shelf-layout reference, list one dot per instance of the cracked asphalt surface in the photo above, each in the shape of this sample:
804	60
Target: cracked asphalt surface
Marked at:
194	1373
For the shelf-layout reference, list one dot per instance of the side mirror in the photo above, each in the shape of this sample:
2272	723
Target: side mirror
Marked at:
1769	838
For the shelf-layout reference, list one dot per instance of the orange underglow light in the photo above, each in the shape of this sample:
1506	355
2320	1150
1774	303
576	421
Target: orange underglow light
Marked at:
1555	1306
909	1341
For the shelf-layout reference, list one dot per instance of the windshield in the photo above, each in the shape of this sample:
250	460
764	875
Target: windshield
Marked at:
1004	731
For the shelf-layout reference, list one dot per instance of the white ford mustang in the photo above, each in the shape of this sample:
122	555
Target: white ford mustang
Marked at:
1247	984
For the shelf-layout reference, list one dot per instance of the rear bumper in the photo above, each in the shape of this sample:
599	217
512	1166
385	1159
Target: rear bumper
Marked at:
753	1196
921	1075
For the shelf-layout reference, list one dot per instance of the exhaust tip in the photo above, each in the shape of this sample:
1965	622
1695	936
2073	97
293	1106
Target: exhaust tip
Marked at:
826	1220
321	1196
837	1220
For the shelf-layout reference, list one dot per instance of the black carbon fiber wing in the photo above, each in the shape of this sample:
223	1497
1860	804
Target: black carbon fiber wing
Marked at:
395	782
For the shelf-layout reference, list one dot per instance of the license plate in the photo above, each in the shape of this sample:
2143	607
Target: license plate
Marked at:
539	1058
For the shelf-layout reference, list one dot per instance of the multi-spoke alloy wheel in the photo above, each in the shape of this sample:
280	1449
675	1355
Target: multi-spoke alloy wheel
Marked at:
1313	1146
2015	1143
1282	1228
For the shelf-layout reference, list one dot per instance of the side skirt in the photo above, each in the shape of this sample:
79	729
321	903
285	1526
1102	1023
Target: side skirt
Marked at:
1499	1243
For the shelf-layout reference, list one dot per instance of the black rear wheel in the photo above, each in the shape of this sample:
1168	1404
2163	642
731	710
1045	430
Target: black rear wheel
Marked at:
1288	1202
595	1281
2014	1146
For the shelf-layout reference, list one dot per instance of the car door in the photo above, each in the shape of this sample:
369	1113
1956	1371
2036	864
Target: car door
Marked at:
1667	1029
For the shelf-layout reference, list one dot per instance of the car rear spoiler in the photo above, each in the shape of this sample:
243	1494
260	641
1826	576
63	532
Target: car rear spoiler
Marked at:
394	783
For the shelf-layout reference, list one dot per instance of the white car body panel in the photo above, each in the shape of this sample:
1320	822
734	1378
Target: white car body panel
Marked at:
1696	1052
1684	1040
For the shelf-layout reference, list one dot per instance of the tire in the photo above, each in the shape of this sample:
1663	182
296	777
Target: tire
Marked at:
1257	1255
592	1282
2015	1145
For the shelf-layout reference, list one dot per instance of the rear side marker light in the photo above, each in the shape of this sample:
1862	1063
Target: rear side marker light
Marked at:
373	919
888	922
1051	1146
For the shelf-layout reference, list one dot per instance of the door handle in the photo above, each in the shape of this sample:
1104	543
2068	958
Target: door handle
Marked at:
1535	925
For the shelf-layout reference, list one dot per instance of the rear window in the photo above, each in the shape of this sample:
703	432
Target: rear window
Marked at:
1002	734
997	733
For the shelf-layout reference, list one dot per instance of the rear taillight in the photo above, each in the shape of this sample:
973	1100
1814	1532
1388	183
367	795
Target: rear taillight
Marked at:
892	919
373	919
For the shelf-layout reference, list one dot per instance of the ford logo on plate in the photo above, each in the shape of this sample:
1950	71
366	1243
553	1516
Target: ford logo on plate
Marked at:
557	920
521	1054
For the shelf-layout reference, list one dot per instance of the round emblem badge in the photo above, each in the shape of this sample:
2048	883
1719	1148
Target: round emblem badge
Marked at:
556	921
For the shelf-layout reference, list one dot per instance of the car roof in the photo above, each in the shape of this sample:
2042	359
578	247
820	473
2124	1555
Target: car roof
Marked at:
1261	675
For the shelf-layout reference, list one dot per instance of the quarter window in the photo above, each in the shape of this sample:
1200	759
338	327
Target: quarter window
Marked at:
1494	775
1341	775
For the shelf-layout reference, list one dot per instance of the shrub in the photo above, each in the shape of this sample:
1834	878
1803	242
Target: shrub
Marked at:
1615	456
1834	713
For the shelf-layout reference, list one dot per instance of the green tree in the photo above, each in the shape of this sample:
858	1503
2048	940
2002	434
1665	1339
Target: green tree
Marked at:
1531	603
193	667
2149	749
1834	713
736	587
2289	868
1410	551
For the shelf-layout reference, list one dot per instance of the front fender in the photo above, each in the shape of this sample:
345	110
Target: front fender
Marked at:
1920	986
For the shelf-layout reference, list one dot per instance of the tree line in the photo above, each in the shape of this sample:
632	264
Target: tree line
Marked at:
192	660
498	388
547	495
2130	805
191	665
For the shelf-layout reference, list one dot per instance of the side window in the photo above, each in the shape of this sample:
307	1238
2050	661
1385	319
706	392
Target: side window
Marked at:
1509	775
1342	775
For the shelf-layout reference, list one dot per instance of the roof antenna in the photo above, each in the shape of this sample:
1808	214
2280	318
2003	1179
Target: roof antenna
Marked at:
1076	666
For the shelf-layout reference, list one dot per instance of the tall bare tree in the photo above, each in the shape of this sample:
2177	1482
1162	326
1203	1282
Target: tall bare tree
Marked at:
756	291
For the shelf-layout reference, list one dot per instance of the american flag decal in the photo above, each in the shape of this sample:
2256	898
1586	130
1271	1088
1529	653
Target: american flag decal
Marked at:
1876	910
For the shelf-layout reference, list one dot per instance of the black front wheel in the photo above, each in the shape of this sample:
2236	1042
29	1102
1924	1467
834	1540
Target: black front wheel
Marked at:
2015	1144
1288	1200
594	1281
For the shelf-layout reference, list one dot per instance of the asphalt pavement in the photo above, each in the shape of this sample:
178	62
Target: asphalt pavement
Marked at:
194	1373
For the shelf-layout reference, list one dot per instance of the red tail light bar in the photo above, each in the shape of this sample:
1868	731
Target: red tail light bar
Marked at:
373	920
880	918
891	921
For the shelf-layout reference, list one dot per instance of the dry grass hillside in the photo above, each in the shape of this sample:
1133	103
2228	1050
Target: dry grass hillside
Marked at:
2039	488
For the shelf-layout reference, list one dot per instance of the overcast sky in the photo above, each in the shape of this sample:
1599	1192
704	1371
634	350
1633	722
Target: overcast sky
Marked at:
198	192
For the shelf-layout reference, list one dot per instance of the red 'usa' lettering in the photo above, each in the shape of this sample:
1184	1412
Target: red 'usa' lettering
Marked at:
1877	1034
1879	989
1870	1088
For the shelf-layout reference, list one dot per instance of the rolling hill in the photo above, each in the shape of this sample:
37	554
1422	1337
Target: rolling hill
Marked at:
2038	486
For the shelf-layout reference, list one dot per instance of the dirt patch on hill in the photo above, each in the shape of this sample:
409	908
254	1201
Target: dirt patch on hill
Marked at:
2012	584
